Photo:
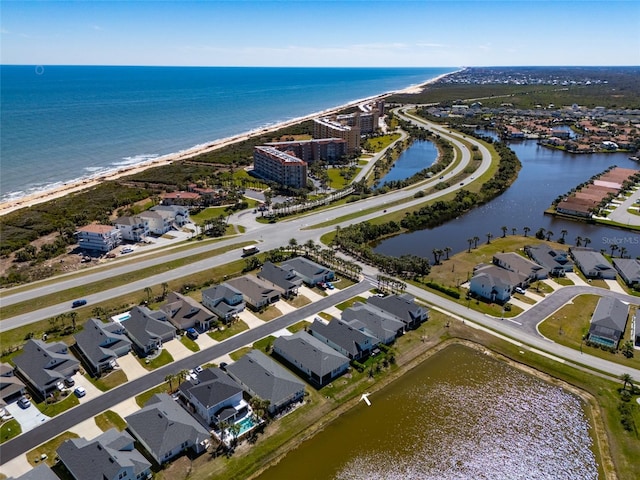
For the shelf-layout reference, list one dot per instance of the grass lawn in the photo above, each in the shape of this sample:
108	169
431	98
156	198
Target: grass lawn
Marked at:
161	360
9	429
268	313
296	327
347	303
324	315
110	419
145	396
241	352
570	324
57	408
109	381
49	449
236	327
265	343
377	144
563	281
190	344
523	299
298	301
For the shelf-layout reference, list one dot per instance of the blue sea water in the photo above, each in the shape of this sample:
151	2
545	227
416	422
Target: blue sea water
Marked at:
64	123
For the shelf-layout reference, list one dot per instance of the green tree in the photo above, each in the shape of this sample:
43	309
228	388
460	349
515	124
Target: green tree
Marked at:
627	380
526	231
504	230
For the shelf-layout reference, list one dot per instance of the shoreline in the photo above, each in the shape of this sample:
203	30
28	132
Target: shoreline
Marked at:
77	186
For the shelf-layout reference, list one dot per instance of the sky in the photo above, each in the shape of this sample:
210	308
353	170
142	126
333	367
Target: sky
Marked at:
420	33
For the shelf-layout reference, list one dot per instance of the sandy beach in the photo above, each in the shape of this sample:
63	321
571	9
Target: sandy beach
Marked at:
72	187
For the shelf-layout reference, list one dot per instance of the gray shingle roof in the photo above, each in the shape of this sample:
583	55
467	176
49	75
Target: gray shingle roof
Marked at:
344	335
46	363
99	341
279	276
163	425
41	472
184	311
402	306
254	290
311	353
103	457
215	386
144	326
376	321
592	261
219	295
609	319
305	267
265	378
629	268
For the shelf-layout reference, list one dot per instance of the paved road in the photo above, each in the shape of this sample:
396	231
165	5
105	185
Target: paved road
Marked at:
63	422
270	236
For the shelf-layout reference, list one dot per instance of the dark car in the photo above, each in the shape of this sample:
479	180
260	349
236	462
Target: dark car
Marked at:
78	303
69	382
24	402
192	333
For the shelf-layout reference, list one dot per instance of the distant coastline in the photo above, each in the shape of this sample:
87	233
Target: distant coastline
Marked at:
76	186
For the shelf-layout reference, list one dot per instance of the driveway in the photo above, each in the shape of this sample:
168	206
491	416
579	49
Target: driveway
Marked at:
126	408
87	429
550	283
614	286
205	341
177	350
520	304
310	294
28	418
16	467
250	319
576	279
131	367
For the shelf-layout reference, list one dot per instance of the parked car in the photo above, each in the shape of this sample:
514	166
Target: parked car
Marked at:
80	392
198	369
126	250
24	402
69	382
192	333
520	290
329	285
78	303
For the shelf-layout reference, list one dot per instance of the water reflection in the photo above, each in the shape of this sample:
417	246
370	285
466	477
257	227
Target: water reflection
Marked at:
545	175
459	415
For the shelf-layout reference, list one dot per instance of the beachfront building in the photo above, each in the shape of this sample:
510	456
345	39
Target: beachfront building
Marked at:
159	222
100	344
166	430
44	366
281	167
326	149
132	229
100	238
328	128
264	378
181	198
608	322
367	121
110	456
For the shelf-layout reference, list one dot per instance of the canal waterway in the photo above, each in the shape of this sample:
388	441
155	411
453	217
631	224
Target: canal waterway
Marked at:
461	414
545	175
420	155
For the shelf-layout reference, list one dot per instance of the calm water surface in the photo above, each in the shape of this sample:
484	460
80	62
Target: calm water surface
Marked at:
545	175
419	156
459	415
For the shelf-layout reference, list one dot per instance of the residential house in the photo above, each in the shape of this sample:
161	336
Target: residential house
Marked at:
101	238
132	229
159	222
256	293
629	270
517	263
110	456
215	398
100	344
262	377
494	283
181	198
310	272
11	387
44	365
179	213
223	300
608	322
319	363
351	342
148	329
386	328
41	472
556	262
165	429
592	264
402	307
184	312
286	281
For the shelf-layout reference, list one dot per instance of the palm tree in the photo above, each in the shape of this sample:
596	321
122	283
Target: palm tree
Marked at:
149	292
626	378
489	237
293	243
623	252
514	230
578	241
563	232
614	247
447	250
470	240
74	319
436	255
549	234
475	241
170	378
587	241
526	231
165	290
504	230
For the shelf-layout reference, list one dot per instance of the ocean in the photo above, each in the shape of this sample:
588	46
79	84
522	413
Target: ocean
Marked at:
62	124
